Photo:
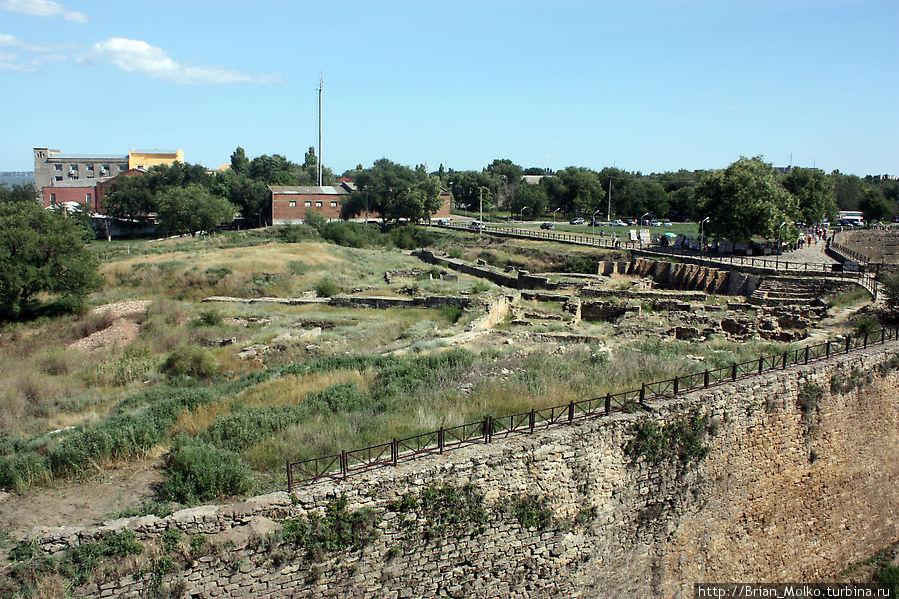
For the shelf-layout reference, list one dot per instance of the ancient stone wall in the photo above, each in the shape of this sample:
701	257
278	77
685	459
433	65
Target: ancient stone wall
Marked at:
792	476
685	276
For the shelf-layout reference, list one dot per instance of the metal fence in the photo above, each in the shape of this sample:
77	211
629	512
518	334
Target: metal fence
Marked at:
339	466
777	265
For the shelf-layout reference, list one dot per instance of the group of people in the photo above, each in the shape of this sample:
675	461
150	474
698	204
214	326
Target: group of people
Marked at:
812	235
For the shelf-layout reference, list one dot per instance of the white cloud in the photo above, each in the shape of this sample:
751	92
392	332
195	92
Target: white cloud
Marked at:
42	8
75	17
137	56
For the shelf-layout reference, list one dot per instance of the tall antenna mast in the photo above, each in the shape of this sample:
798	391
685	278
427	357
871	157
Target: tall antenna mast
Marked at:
321	82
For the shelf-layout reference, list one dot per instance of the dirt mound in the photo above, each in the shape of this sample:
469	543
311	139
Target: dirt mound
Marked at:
122	330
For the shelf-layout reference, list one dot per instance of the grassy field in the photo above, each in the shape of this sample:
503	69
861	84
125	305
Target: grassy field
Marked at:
317	378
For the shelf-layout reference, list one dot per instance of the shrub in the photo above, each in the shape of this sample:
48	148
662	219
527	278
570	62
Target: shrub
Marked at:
208	318
451	313
326	288
865	325
190	360
531	511
197	472
579	265
681	440
296	267
339	529
410	237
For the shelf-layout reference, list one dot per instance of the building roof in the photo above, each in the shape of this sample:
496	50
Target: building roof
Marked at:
76	183
173	152
532	179
307	190
79	157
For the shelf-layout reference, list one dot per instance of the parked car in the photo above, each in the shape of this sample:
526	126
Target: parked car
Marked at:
547	225
666	223
655	223
617	223
442	222
476	225
576	221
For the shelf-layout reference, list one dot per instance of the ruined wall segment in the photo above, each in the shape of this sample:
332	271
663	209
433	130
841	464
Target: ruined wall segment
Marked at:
793	479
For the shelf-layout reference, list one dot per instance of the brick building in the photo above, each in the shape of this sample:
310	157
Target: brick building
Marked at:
82	191
290	202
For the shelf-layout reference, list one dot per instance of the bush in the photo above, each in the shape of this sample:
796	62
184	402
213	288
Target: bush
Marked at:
190	360
410	237
580	265
208	318
865	324
197	472
326	288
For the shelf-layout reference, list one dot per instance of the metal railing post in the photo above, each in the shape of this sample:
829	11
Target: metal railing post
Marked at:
608	403
441	439
785	361
761	365
343	464
675	385
394	451
848	343
705	379
733	373
570	412
827	349
806	354
289	477
532	420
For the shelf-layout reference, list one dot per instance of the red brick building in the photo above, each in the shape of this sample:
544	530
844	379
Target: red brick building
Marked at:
82	192
290	202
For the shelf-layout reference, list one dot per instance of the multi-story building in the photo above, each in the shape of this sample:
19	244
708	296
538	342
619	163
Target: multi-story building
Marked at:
81	178
54	169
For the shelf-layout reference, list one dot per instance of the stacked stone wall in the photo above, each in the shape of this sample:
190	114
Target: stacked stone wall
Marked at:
797	482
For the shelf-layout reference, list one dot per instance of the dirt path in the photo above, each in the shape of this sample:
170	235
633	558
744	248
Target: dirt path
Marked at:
81	503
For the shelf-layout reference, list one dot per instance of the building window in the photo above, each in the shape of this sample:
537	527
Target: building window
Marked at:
292	203
307	204
318	204
59	177
87	198
52	198
58	167
90	168
333	204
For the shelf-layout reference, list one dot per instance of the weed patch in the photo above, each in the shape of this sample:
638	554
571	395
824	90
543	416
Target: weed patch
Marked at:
339	529
681	441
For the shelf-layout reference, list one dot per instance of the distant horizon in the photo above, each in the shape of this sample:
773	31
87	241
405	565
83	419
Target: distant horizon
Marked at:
647	86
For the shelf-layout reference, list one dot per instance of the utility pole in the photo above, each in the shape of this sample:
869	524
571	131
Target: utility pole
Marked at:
321	82
609	213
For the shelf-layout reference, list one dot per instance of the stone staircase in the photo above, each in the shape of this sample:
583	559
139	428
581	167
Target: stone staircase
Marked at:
785	292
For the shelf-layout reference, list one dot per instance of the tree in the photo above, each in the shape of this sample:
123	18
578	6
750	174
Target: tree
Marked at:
875	206
129	198
307	173
17	192
394	191
470	188
533	197
42	251
192	208
251	197
273	170
575	190
504	176
814	192
745	200
240	164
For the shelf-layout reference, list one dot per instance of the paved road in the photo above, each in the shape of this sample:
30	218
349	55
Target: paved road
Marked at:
813	254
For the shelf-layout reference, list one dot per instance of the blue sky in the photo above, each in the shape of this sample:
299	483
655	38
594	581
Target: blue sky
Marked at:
644	85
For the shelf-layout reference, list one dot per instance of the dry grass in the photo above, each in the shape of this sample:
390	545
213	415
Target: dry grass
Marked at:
286	390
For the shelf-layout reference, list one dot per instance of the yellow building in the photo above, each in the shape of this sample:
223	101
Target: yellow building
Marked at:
148	158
